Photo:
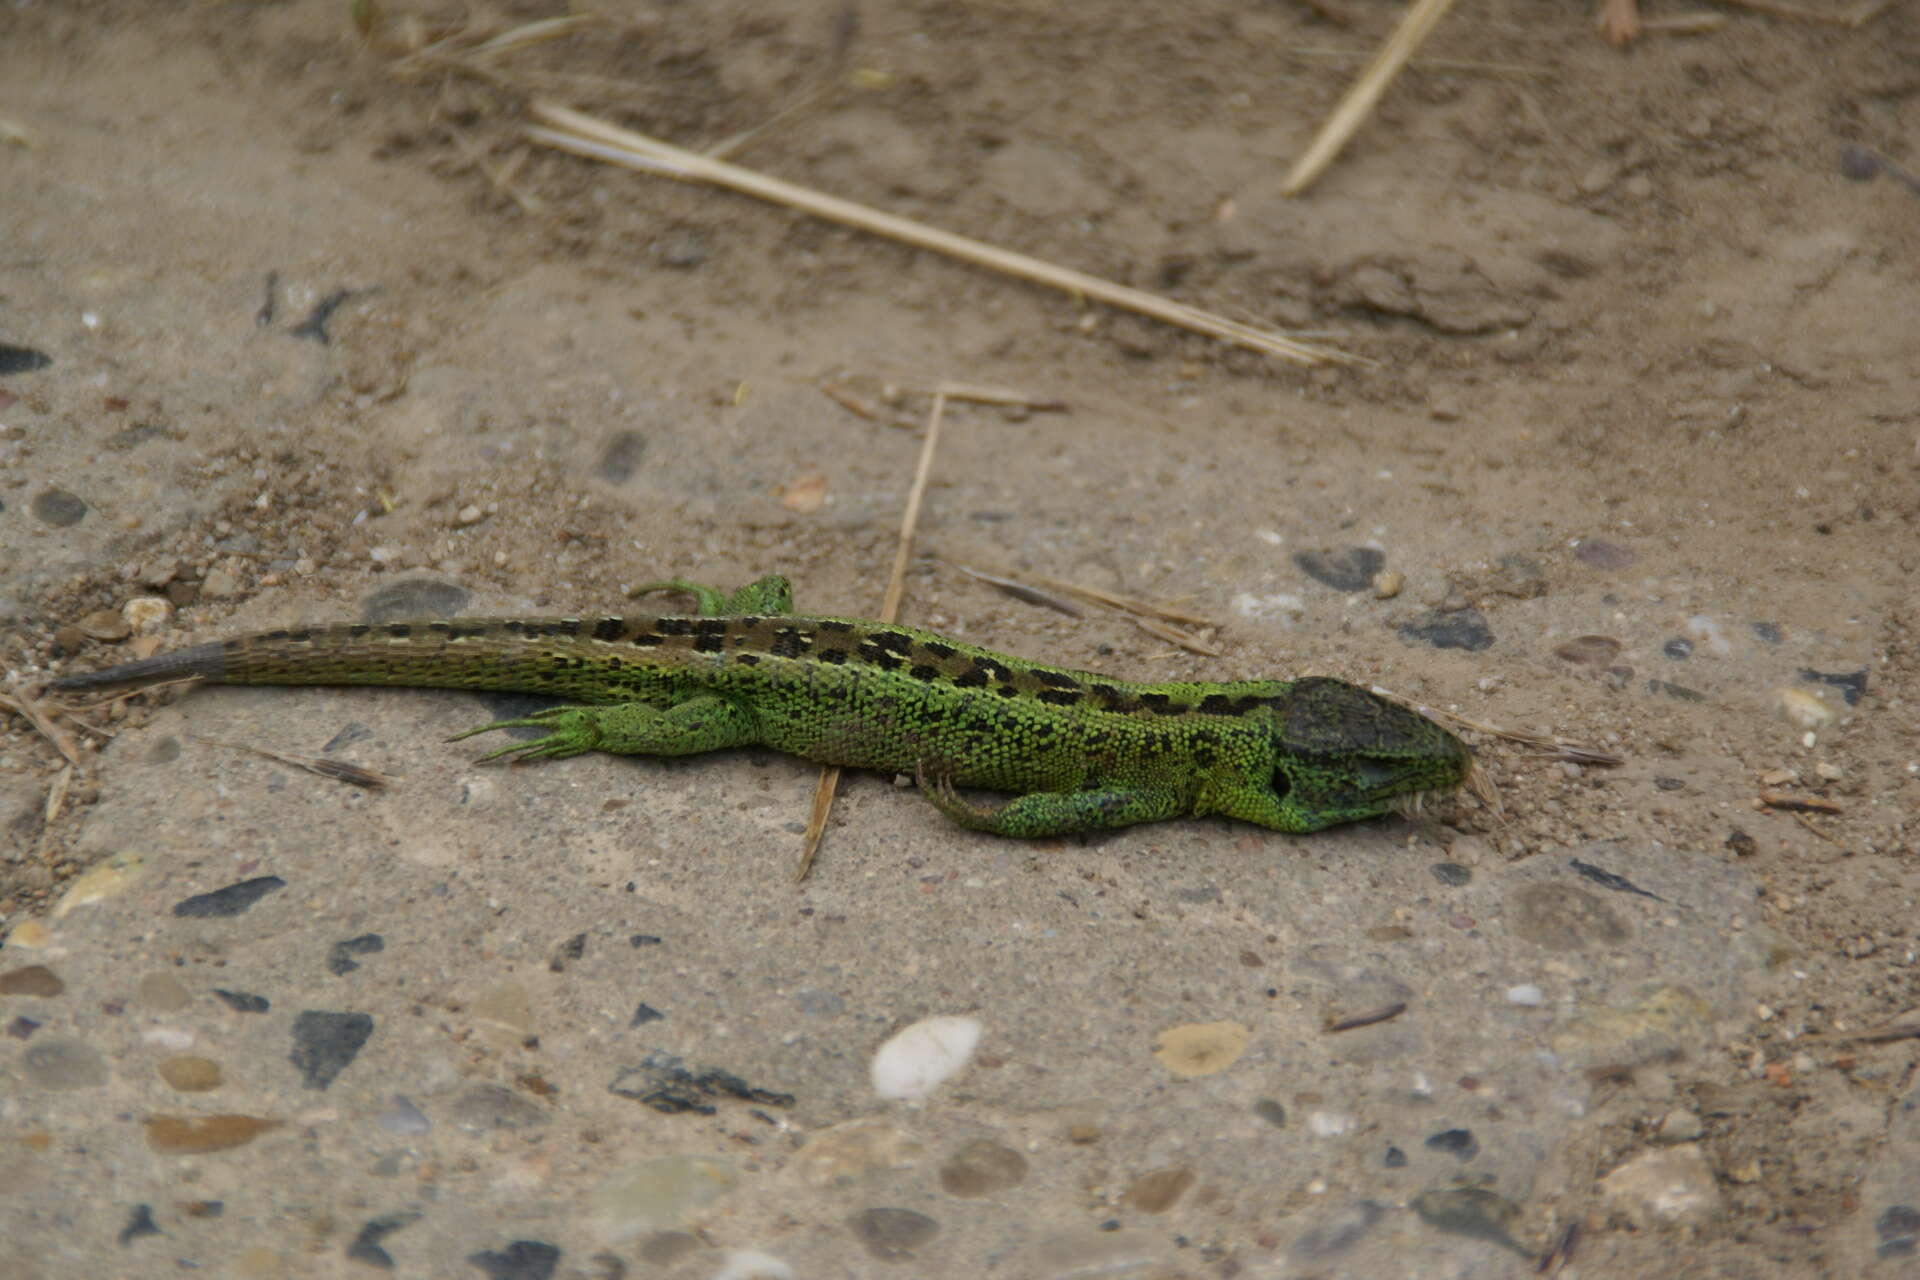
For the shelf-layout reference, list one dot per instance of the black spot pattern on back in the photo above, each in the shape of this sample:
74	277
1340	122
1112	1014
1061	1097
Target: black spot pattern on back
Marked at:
1059	697
709	643
938	649
971	678
1056	679
833	657
673	626
924	674
647	639
789	643
835	624
891	641
357	630
753	659
398	630
609	629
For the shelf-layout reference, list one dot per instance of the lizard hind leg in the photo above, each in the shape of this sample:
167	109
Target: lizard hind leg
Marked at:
1049	813
628	729
772	594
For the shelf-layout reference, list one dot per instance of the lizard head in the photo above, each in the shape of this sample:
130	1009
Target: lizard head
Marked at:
1342	753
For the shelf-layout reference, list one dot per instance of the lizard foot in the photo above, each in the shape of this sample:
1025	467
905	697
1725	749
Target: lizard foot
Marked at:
573	731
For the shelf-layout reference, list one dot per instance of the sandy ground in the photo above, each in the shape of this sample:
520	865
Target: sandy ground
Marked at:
298	327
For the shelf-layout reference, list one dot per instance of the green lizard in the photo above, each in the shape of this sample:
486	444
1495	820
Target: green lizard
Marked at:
1081	751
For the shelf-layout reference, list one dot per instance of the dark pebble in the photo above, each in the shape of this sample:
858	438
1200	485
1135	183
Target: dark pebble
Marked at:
244	1001
414	598
139	1223
1518	576
1858	163
643	1015
892	1235
1469	1211
325	1043
570	950
1395	1158
366	1246
314	327
58	508
1851	684
1455	1142
340	959
1272	1112
1679	648
21	359
21	1027
1741	844
644	940
1769	632
1455	629
620	457
1670	784
523	1260
1598	553
1451	873
1899	1230
1348	569
230	901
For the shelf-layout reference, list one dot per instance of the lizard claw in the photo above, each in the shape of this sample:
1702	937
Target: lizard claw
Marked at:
940	793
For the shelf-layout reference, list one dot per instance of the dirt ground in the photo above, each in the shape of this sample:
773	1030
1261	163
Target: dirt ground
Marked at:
1642	366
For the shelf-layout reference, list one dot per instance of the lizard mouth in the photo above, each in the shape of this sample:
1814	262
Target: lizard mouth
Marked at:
1427	801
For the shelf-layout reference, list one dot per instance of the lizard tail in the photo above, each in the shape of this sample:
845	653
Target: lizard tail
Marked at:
201	662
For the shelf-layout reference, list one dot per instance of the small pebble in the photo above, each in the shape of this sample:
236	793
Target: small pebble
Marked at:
31	980
1200	1048
105	624
161	993
1803	710
146	615
189	1074
325	1043
1526	993
470	514
491	1108
1598	553
1681	1125
401	1116
1451	629
521	1260
1679	648
230	901
1347	569
1388	584
1459	1143
58	508
1160	1190
199	1135
1672	1185
1589	651
890	1234
921	1057
982	1168
751	1264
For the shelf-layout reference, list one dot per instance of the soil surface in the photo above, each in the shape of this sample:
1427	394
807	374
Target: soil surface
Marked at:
296	325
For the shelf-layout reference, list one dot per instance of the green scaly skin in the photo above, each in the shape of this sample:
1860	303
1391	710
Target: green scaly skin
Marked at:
1079	751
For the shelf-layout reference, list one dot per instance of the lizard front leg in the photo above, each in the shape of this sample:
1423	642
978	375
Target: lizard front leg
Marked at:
1051	813
629	729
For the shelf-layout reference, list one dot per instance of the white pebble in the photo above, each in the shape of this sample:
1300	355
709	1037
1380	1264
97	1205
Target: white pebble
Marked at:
919	1058
1525	993
1328	1124
146	614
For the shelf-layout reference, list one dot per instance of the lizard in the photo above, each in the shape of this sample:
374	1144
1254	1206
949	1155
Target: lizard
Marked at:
1078	751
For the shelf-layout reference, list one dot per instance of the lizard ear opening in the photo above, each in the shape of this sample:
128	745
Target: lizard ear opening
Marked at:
1281	784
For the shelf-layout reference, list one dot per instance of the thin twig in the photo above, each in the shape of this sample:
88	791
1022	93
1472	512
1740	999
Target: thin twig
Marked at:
28	708
889	612
1354	109
1857	16
585	135
326	767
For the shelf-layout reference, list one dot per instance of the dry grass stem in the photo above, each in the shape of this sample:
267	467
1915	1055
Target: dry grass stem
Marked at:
889	612
585	135
31	709
1354	109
